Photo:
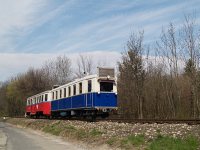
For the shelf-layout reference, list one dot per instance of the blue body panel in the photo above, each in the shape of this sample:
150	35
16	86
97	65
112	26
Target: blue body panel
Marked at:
88	100
105	100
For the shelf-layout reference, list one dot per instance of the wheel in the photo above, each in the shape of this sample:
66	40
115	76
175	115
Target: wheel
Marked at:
105	115
92	118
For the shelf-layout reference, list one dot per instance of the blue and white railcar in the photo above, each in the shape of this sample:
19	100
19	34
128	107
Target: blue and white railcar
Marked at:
89	96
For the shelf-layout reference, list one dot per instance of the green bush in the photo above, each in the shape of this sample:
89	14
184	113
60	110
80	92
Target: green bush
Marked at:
170	143
53	129
95	132
133	140
81	134
70	127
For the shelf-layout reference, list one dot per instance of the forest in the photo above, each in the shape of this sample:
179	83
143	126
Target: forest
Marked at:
160	80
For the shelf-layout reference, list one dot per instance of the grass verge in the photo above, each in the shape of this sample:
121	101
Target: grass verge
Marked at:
132	141
170	143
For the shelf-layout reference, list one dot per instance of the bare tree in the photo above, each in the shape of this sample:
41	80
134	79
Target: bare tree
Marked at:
58	71
132	75
85	65
190	44
169	49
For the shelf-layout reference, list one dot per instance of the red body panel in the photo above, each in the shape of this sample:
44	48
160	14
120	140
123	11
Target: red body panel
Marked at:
28	109
44	108
33	110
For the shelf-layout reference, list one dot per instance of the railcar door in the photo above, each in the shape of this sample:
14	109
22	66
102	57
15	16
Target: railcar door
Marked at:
88	100
89	95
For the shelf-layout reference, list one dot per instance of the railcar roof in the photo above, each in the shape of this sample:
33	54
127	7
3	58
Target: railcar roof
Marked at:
40	94
76	81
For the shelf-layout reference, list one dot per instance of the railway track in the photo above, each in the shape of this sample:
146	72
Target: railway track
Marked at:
151	121
134	121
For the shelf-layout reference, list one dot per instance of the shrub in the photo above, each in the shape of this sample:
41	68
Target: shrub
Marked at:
170	143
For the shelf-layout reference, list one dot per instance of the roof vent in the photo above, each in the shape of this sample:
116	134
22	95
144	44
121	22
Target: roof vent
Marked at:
55	86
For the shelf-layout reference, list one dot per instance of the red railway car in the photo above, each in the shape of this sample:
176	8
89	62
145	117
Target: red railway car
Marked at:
39	105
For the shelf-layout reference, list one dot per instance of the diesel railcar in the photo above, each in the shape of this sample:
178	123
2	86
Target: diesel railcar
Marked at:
39	105
91	96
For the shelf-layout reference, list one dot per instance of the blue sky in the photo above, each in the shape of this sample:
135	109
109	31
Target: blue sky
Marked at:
44	28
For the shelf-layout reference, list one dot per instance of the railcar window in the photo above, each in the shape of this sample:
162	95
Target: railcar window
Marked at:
80	88
56	94
69	91
89	85
53	95
42	98
74	89
61	93
65	92
106	86
46	97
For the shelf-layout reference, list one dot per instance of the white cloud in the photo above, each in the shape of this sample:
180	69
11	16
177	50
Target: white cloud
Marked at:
117	27
13	63
23	16
15	16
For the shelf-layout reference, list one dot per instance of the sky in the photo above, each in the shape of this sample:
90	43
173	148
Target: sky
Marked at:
33	31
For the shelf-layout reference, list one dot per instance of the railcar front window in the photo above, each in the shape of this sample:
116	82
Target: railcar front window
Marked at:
106	87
